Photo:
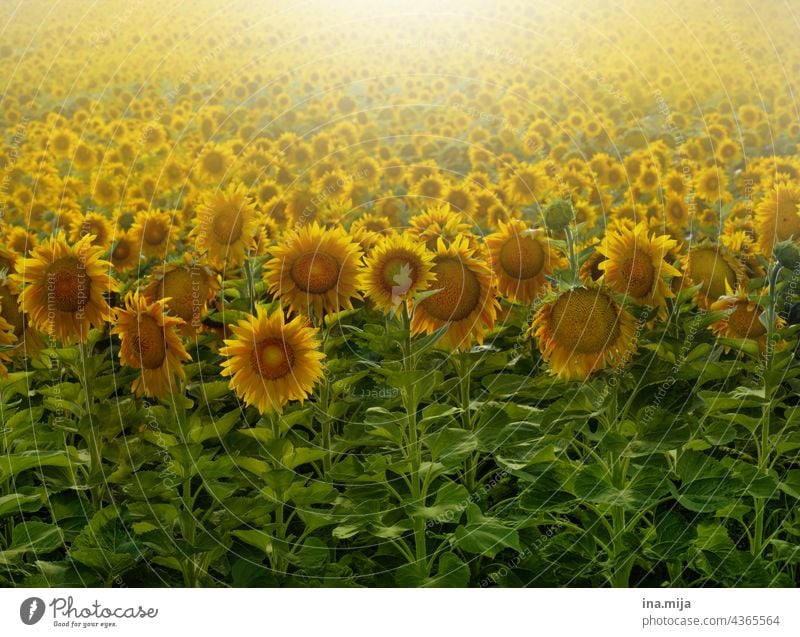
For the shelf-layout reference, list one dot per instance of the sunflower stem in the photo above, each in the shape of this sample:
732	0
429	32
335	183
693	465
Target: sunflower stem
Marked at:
251	285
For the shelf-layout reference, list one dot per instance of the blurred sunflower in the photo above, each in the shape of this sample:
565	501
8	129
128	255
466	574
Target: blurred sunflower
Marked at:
270	361
153	233
465	301
394	271
582	330
150	342
521	259
63	288
636	265
92	223
438	222
315	268
224	227
7	341
186	289
778	217
124	255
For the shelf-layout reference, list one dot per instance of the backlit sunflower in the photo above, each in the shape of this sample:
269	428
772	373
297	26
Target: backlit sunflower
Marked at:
743	318
315	268
636	264
435	222
63	288
521	259
92	223
465	301
186	288
714	269
224	227
153	233
778	217
582	330
395	270
271	362
150	342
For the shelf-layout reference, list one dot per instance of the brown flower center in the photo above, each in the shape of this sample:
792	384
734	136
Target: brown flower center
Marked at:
227	225
315	272
149	342
187	291
522	257
585	320
638	274
272	358
709	269
460	293
121	251
67	285
743	322
155	233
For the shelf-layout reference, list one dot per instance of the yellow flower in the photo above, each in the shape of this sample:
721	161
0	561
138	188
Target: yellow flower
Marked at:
7	338
636	265
150	342
224	227
778	217
521	259
465	301
186	289
315	268
743	318
153	233
394	271
124	255
92	223
271	362
582	330
714	269
64	287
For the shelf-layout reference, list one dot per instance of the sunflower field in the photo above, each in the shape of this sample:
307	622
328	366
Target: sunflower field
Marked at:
454	294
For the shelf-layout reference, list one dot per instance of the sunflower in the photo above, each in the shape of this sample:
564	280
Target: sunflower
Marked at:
438	221
465	301
712	185
186	289
214	163
31	342
521	259
742	319
527	184
271	362
714	269
92	223
636	265
315	268
63	288
7	339
150	342
153	233
582	330
778	217
395	270
224	227
676	213
124	255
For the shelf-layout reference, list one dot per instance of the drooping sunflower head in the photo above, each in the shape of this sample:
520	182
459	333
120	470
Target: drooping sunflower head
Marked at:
465	301
63	287
582	330
712	268
522	258
778	217
186	289
224	227
636	264
395	270
149	341
315	269
271	362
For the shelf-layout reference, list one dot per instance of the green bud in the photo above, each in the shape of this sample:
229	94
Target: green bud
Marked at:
787	254
558	214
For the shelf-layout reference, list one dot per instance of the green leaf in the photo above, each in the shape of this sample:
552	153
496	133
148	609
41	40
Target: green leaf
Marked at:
34	537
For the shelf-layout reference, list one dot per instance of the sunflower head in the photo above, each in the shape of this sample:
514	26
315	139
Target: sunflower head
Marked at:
224	227
465	300
712	268
150	343
394	271
778	217
582	330
186	289
742	319
522	258
271	362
